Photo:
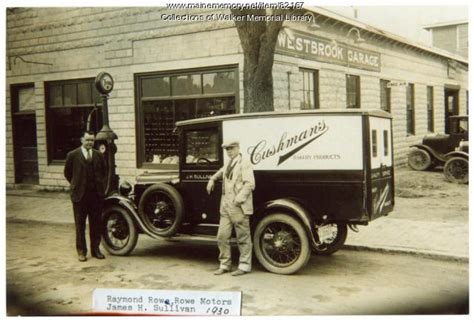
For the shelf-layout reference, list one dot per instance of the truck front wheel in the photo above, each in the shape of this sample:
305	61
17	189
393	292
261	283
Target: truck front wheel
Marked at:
281	244
119	235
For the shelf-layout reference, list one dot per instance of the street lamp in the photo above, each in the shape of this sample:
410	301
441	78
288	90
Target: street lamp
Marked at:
104	83
357	31
314	25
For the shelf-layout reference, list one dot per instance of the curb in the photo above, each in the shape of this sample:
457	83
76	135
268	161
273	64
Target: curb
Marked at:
414	252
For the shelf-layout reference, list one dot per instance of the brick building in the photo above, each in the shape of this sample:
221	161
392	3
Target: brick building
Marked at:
167	69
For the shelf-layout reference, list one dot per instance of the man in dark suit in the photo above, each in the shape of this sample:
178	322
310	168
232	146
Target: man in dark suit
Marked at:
85	171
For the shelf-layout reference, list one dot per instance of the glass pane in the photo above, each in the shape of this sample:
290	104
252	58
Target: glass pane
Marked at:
161	143
84	95
70	94
202	147
221	82
185	109
374	143
186	84
65	127
385	143
55	95
215	106
156	87
26	99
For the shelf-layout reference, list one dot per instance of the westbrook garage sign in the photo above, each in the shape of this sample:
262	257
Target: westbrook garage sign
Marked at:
300	44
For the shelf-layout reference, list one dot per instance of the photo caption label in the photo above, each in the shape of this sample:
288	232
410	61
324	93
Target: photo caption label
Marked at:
166	302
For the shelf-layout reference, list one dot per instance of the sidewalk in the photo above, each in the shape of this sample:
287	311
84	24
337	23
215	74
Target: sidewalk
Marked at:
448	240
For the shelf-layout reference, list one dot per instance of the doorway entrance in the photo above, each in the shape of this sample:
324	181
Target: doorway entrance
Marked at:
451	105
25	145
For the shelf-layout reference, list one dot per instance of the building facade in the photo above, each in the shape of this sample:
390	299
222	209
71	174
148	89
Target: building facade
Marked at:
167	68
451	36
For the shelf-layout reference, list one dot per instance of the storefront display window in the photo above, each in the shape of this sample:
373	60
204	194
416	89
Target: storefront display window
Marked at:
166	99
68	108
353	91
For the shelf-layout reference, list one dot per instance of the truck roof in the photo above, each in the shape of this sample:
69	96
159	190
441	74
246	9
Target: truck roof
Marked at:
254	115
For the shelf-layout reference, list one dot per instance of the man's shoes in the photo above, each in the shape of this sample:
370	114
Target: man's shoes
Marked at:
82	258
239	272
221	271
98	255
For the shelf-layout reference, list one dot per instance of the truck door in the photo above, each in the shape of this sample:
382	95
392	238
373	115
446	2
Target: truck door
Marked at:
201	158
381	197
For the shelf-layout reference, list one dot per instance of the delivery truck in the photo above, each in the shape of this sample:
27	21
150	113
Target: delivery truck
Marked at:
317	173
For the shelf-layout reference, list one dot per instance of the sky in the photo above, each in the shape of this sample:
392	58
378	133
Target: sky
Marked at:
403	20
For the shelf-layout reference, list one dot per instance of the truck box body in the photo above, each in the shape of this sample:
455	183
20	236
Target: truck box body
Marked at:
337	164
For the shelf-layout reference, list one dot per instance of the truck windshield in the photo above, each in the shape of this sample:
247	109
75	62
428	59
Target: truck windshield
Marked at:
202	146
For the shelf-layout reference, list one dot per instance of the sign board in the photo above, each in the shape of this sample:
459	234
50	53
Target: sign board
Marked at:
166	302
305	45
303	142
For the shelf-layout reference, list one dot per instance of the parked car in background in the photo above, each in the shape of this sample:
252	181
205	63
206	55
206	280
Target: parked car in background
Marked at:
448	150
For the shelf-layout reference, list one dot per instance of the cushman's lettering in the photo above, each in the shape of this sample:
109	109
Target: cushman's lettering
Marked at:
262	151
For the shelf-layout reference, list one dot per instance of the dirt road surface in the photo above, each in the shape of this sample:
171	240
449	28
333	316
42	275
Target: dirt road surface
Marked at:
44	277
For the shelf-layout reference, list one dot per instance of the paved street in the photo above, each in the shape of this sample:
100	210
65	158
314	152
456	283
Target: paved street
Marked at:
43	276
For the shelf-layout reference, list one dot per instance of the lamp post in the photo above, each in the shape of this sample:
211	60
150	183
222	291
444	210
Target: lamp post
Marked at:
104	83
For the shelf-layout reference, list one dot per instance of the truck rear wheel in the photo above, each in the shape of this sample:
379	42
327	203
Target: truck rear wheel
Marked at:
419	159
161	208
281	244
456	170
333	236
119	235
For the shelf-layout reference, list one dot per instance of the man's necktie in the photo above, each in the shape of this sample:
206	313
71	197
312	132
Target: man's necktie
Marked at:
89	156
229	169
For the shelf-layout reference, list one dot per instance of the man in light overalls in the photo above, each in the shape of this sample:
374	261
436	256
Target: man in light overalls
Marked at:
238	182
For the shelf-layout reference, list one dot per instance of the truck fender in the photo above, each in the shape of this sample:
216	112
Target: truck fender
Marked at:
461	154
131	208
295	209
433	153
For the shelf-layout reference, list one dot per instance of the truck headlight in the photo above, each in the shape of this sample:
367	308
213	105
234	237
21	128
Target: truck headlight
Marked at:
125	188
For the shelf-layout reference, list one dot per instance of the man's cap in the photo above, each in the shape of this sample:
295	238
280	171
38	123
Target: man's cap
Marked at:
231	143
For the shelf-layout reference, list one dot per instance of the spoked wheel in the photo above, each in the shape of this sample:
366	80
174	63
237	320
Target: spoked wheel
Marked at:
161	208
119	235
418	159
332	236
456	170
281	244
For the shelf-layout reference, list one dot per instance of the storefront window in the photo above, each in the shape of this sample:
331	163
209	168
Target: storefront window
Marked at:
385	95
166	99
410	101
69	105
353	91
310	98
429	108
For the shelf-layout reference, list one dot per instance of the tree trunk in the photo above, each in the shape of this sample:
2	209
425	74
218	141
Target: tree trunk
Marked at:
258	40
